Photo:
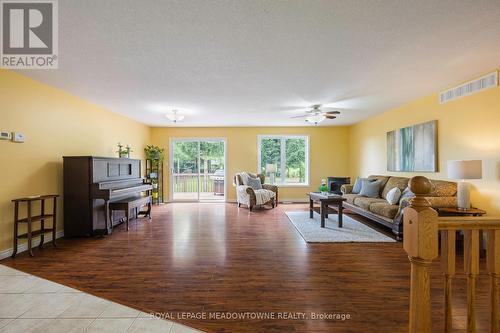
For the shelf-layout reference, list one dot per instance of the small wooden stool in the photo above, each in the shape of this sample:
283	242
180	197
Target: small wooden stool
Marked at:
30	219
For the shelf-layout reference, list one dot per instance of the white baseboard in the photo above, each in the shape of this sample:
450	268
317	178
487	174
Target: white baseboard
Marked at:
286	201
281	201
24	247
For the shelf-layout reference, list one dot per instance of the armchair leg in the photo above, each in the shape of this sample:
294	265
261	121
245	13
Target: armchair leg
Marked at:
239	204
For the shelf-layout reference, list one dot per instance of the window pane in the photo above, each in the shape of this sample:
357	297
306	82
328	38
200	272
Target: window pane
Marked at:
295	167
270	151
186	157
211	157
185	173
211	170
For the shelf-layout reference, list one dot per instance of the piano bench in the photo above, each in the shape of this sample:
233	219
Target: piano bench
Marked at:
126	204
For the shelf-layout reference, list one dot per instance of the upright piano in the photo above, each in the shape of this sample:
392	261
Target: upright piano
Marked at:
90	184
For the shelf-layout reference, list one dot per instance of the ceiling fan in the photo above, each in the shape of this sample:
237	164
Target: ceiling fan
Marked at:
316	115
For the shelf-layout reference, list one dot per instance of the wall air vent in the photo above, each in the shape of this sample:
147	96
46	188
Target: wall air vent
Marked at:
484	82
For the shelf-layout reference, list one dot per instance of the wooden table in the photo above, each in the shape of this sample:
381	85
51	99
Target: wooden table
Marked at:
30	218
325	200
454	211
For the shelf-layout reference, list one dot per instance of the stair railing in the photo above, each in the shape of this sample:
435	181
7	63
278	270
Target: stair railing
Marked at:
420	240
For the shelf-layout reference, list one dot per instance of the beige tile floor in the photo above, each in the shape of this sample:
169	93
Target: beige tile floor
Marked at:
31	304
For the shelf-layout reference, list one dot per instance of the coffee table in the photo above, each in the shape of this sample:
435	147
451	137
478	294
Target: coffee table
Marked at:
325	200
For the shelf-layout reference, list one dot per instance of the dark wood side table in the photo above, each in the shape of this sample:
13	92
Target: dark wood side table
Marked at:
30	218
454	211
325	200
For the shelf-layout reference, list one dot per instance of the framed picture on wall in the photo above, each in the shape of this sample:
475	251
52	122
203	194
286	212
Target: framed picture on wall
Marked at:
413	148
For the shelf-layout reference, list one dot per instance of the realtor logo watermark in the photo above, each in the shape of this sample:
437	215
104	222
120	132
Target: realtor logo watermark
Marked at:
29	34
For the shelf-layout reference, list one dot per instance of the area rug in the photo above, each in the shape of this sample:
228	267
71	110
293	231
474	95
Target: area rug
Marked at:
351	231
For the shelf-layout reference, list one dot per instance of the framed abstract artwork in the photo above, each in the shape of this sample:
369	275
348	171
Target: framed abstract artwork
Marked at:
413	148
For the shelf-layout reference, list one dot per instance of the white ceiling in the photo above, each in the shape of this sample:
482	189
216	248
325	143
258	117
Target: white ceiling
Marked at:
247	63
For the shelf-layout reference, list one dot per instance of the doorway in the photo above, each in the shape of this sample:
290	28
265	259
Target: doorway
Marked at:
198	169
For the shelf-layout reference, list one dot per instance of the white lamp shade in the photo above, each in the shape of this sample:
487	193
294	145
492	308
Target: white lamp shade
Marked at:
472	169
271	168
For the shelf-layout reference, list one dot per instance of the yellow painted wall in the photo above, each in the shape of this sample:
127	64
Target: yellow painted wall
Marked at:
328	151
55	123
468	128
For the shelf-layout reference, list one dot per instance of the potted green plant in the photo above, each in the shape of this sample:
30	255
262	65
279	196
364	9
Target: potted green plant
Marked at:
123	152
154	153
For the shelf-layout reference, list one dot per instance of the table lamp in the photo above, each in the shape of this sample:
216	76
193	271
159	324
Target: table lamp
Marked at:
462	170
271	171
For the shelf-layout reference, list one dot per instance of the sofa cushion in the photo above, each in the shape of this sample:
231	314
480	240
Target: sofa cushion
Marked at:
384	209
364	202
383	181
399	182
350	197
442	188
370	188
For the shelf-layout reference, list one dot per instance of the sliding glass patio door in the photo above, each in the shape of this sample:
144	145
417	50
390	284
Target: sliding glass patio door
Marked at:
197	170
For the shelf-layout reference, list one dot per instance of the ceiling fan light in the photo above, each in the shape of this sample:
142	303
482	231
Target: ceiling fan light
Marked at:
316	118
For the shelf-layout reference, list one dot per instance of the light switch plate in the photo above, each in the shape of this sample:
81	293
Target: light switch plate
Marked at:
5	136
17	137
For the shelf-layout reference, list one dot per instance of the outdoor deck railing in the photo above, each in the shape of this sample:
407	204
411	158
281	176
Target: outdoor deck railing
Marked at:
188	182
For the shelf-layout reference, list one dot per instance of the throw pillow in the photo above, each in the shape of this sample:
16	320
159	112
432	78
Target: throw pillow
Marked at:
254	183
393	196
407	193
357	185
244	178
370	188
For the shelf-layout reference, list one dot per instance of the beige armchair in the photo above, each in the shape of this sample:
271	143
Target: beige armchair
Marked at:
250	197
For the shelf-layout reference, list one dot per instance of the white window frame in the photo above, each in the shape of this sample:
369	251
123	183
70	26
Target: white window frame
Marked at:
280	182
171	142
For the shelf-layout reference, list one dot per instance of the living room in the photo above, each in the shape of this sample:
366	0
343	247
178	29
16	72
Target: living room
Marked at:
316	98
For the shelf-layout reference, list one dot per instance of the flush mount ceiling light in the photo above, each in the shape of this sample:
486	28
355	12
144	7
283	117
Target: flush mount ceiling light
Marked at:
175	116
315	118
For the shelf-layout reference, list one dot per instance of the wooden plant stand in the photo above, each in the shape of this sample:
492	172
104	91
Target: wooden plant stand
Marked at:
42	217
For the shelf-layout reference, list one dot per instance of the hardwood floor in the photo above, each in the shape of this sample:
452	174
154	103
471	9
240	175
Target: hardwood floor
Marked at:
218	258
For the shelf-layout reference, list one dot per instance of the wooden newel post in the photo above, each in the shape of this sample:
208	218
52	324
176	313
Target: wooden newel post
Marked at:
420	241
